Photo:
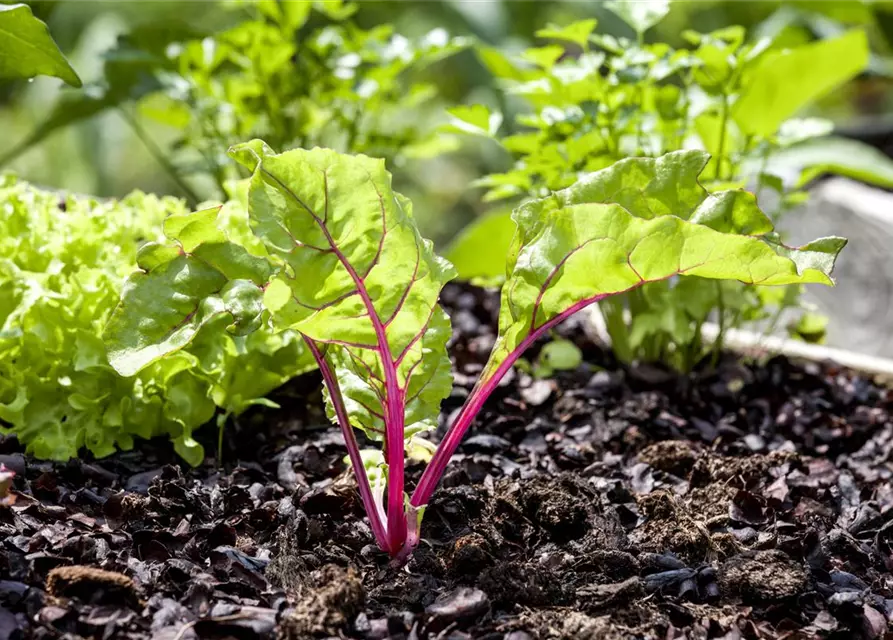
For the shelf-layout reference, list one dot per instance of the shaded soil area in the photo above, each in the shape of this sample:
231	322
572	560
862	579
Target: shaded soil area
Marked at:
750	501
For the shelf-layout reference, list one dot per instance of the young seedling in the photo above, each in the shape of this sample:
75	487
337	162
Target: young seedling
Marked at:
349	270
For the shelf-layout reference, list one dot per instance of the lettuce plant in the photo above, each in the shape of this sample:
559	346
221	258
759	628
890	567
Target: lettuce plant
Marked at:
349	271
588	100
63	261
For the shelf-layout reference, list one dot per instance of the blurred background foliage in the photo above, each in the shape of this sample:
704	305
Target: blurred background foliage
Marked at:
130	145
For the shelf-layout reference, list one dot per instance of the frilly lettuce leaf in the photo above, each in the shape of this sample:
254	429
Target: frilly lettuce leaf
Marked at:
61	272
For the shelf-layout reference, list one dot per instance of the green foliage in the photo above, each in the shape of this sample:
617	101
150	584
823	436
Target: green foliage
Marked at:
556	355
299	74
783	82
813	157
641	15
63	261
324	213
480	248
27	49
639	221
592	100
346	268
203	276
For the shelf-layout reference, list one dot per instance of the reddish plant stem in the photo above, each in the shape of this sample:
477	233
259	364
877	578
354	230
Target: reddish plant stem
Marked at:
447	447
353	449
393	409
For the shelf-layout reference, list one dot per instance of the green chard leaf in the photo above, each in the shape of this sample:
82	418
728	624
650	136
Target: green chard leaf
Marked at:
357	277
641	220
184	287
27	49
831	154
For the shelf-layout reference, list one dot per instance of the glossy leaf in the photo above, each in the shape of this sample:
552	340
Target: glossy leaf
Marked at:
162	310
27	49
640	221
784	82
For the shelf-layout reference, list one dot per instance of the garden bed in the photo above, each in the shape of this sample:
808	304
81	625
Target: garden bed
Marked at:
751	501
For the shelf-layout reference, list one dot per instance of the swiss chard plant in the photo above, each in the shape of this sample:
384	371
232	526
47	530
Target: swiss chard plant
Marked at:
349	272
588	100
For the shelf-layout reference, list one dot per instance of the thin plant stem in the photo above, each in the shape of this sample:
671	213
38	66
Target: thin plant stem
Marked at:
720	334
350	441
221	424
159	156
723	125
483	389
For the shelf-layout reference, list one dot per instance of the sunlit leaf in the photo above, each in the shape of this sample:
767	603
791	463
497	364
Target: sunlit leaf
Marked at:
639	221
641	15
27	49
840	156
162	310
480	248
474	119
784	82
376	311
577	32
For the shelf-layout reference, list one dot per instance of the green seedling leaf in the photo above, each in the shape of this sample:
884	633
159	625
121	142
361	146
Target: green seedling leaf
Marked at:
558	355
784	82
475	120
639	221
544	57
577	32
27	49
810	327
641	15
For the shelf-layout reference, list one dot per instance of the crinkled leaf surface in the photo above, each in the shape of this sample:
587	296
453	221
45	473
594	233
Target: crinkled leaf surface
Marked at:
357	275
60	274
639	221
163	309
27	49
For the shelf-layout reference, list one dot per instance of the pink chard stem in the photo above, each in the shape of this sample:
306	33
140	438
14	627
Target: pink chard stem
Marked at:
353	449
394	416
447	447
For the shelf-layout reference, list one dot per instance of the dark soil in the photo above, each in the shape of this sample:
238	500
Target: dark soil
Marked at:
753	501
